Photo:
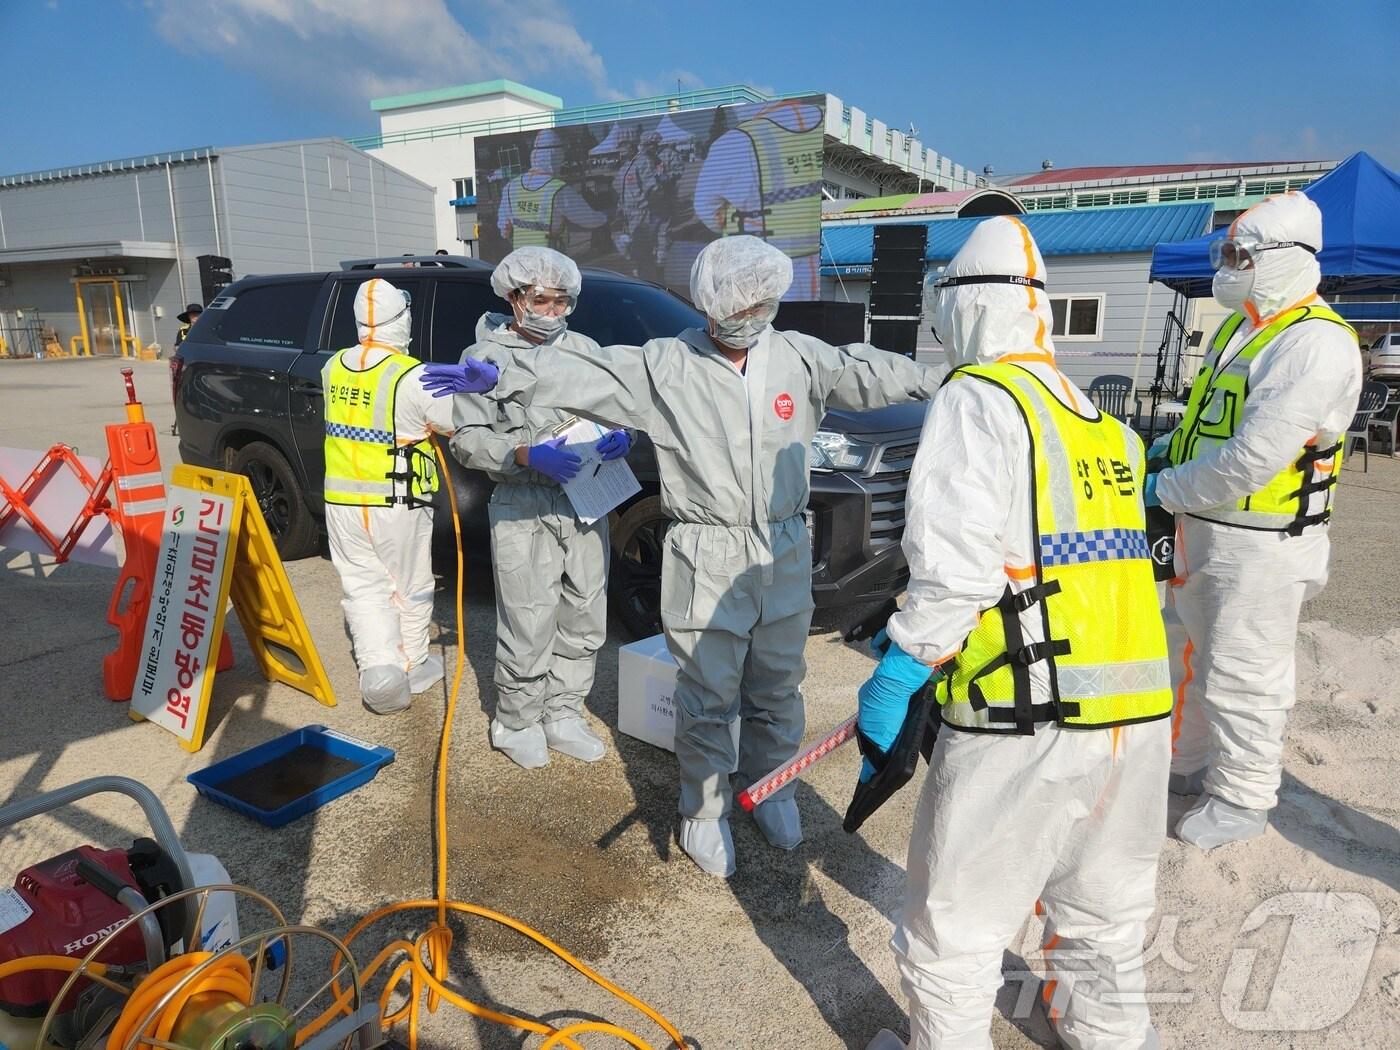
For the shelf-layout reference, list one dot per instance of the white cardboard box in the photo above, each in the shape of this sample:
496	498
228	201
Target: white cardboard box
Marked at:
646	687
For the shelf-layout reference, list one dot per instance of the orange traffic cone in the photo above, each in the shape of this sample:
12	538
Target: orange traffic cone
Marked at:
139	514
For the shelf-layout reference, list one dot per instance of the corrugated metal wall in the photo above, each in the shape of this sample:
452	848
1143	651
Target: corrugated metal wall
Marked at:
270	209
307	206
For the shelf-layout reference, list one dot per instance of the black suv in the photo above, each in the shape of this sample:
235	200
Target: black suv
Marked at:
247	389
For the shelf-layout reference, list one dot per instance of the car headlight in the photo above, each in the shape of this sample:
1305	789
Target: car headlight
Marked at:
833	451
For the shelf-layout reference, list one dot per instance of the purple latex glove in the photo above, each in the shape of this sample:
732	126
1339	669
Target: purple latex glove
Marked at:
614	444
554	461
470	377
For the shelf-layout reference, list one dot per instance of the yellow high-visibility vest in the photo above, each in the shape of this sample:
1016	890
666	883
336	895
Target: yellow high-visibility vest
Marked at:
1090	588
366	466
532	212
1214	412
790	185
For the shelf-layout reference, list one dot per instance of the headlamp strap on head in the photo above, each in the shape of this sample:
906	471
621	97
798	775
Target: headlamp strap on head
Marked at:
991	278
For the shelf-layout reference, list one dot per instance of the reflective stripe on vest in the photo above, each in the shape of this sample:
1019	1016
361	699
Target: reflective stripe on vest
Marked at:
532	213
360	436
790	185
1091	597
1214	413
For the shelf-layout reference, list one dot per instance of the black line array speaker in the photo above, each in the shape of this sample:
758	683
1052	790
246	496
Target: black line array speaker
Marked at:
832	322
897	286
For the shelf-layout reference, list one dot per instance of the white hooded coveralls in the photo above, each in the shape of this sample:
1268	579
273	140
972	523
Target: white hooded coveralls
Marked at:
1073	818
384	554
1234	607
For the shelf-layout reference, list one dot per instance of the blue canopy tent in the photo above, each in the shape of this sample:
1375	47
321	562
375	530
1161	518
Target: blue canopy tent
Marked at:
1360	203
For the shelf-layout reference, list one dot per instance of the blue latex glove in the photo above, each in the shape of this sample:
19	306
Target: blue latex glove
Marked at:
614	444
554	461
884	699
470	377
1149	492
1161	446
880	644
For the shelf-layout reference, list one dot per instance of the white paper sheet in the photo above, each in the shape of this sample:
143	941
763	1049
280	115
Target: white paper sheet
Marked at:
600	485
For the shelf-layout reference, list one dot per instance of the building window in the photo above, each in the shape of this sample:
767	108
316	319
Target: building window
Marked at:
1267	187
1130	197
463	188
1091	200
1044	203
1077	316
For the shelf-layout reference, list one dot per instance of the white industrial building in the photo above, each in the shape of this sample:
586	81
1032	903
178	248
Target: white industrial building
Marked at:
431	135
100	258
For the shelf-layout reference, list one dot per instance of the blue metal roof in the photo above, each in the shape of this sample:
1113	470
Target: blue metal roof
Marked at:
1081	231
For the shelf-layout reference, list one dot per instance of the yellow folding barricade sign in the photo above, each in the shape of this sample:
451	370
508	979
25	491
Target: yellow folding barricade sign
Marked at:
216	548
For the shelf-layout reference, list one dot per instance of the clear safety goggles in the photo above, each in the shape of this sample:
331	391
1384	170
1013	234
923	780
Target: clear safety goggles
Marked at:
1232	254
540	301
407	304
768	308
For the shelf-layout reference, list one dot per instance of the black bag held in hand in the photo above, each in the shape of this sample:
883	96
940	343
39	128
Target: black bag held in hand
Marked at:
1161	531
893	768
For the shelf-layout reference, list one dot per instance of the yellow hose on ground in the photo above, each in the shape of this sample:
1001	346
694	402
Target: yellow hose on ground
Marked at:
424	960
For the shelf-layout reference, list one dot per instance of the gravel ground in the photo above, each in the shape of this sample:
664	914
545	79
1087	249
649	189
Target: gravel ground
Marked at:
790	953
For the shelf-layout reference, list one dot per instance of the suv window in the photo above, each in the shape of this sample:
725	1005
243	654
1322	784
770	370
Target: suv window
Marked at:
457	306
343	331
266	315
614	312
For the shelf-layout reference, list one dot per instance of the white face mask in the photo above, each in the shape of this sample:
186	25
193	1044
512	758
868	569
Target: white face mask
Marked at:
541	326
1231	288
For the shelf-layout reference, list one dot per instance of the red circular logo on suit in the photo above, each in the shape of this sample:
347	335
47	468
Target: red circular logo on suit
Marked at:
782	405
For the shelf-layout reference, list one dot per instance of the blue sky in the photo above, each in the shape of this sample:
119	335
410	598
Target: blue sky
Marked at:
1008	84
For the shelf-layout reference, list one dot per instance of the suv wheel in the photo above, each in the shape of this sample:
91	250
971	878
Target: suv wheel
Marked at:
635	585
279	497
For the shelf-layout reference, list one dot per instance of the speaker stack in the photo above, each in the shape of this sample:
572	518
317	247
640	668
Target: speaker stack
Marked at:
897	287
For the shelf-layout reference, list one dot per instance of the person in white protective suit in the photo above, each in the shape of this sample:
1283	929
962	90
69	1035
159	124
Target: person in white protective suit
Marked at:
1251	475
379	482
1031	589
731	411
551	569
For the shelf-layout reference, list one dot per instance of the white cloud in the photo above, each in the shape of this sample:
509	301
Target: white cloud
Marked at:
341	53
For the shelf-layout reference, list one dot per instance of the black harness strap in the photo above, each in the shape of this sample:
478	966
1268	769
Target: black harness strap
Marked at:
1018	657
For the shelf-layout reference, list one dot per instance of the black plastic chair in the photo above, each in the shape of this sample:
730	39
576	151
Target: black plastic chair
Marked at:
1373	398
1109	394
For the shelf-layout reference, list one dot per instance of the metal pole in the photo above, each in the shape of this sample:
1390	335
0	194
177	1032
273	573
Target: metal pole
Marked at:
175	230
1142	336
214	209
306	205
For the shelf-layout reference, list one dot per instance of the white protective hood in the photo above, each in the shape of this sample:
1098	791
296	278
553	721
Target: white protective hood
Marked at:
382	315
1283	276
979	323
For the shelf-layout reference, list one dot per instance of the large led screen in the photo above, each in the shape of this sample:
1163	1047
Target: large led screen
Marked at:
643	195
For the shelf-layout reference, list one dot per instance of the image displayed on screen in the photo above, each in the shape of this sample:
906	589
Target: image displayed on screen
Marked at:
642	196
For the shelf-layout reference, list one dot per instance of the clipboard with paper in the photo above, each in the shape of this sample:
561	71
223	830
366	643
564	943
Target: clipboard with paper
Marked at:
600	485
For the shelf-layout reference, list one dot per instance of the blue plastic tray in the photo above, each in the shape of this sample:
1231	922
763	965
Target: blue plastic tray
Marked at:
355	763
